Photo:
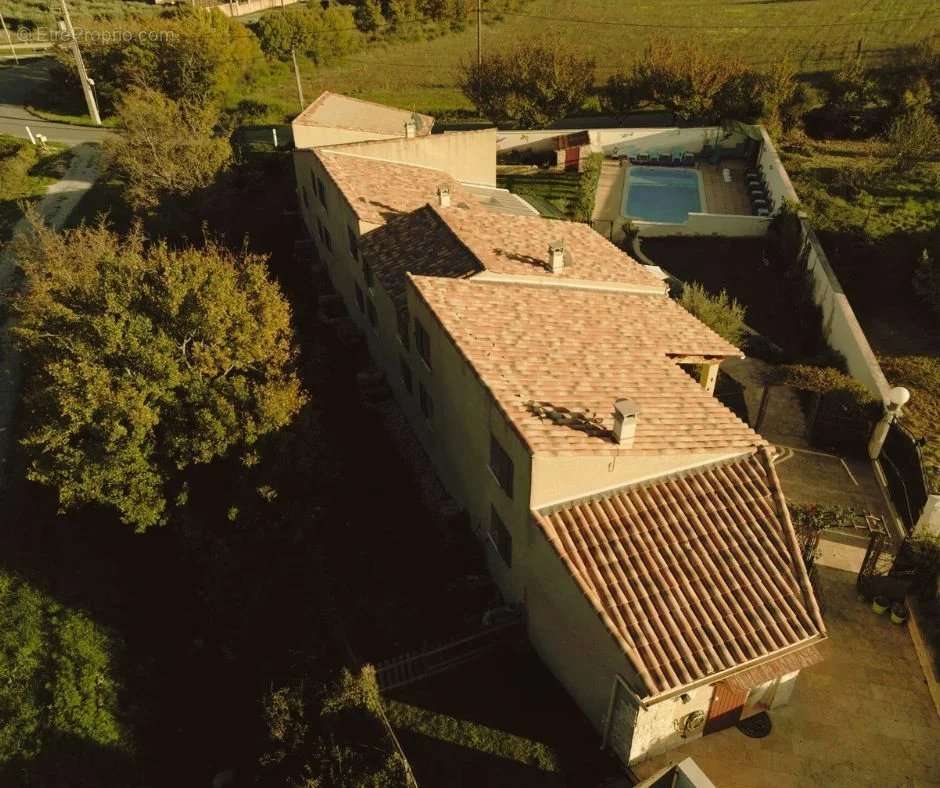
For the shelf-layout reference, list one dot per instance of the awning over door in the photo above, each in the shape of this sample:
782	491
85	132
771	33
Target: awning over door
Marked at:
789	663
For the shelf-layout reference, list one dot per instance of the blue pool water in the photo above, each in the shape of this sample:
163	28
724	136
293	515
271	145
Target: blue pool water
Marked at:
661	194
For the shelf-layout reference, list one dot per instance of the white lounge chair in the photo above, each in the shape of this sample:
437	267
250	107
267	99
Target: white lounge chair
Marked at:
726	174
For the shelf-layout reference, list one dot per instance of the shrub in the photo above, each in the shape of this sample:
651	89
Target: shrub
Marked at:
852	395
721	313
58	691
912	138
587	188
926	281
921	375
531	85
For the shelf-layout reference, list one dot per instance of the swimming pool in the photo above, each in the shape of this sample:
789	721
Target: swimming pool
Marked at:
662	194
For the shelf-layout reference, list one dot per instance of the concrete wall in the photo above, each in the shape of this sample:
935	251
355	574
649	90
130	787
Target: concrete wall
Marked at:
569	636
840	326
558	479
779	187
661	140
725	225
928	524
466	155
655	726
250	6
318	136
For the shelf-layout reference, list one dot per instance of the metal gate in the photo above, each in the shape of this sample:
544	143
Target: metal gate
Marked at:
904	471
622	721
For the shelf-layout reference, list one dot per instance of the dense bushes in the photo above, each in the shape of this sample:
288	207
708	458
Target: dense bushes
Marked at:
330	737
59	712
530	85
697	84
587	187
189	54
321	35
921	375
720	313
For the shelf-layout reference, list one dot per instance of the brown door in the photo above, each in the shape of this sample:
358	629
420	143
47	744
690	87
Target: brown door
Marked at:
727	705
572	158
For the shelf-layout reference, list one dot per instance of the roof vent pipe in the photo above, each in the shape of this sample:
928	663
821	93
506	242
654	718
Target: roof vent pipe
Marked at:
443	195
411	129
626	413
556	257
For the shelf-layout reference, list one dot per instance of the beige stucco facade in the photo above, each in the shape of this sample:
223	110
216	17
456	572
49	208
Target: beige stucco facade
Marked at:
563	626
306	136
468	156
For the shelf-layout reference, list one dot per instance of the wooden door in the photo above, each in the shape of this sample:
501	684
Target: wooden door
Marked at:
572	158
726	707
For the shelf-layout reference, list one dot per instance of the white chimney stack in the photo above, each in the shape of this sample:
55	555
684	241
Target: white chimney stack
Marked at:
625	417
411	129
556	257
443	195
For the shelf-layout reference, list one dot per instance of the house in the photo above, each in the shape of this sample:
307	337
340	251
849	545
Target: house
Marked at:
566	404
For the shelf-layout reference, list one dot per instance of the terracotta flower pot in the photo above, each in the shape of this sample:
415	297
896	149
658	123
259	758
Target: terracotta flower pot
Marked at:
880	604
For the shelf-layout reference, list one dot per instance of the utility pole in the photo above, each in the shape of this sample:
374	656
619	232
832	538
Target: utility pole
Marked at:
9	40
82	74
479	33
300	90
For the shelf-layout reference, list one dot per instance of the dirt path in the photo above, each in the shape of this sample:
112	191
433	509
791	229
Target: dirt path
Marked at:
61	197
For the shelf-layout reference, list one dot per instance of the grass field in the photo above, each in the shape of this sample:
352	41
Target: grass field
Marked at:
817	36
25	173
44	13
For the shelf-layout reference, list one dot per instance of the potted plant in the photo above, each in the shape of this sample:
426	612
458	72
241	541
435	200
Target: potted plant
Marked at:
898	613
880	604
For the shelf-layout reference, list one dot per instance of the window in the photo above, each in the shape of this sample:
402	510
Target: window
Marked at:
501	466
406	378
327	238
373	317
353	243
403	328
360	299
367	274
427	404
423	343
500	537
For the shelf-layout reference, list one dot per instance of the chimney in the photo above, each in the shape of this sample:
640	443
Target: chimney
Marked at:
556	257
625	417
443	195
411	128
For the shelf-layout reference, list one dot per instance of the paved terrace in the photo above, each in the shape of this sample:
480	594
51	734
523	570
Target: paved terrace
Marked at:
863	717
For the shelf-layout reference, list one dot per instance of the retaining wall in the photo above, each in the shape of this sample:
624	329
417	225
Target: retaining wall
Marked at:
725	225
251	6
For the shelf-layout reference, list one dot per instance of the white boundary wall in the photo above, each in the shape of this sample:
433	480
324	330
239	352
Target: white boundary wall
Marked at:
724	225
609	141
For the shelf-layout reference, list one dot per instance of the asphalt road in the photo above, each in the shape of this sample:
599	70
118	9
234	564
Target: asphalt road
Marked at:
18	84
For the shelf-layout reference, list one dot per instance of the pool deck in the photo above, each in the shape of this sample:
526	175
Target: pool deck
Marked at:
720	197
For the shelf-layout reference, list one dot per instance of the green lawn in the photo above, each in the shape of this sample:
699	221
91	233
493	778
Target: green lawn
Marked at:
558	195
817	35
43	14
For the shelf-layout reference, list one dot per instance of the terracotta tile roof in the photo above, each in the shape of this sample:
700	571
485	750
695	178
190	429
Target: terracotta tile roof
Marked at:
518	245
556	359
693	574
417	242
344	112
378	190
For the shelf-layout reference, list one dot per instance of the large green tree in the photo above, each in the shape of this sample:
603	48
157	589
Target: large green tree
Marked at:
146	360
168	148
532	84
189	54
